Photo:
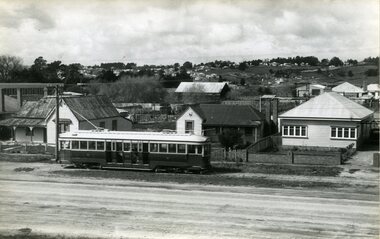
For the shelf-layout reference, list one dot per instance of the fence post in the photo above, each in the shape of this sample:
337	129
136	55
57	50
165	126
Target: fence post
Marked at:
235	156
25	148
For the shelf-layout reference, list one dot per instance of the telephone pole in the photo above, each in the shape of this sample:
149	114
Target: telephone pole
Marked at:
57	130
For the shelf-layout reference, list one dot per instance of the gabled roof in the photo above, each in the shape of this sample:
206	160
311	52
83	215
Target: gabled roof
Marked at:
228	115
329	105
201	87
347	88
35	113
91	107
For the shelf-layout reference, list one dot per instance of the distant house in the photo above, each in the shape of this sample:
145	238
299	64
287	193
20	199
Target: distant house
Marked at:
211	119
374	89
328	120
348	90
310	90
204	91
35	122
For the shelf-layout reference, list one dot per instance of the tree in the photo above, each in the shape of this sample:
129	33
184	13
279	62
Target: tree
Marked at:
335	61
372	72
187	65
107	76
242	66
230	138
324	62
39	63
350	74
132	90
9	66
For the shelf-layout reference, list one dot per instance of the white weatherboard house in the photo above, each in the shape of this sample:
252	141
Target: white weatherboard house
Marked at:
35	122
348	90
328	120
374	89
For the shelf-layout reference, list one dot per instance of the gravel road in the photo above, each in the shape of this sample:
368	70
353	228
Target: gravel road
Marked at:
113	209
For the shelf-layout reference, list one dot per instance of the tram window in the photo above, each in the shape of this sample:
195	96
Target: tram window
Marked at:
119	146
190	149
108	146
65	144
127	147
75	144
172	148
134	147
91	145
83	145
163	148
199	149
140	147
182	148
99	145
153	147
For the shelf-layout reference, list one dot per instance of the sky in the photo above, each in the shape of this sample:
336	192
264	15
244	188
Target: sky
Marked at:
169	31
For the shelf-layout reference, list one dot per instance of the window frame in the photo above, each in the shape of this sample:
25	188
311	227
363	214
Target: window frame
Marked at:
294	131
187	131
338	132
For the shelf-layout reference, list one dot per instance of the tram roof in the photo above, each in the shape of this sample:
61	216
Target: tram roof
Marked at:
133	135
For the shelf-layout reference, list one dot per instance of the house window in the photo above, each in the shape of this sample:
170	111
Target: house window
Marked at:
29	132
343	133
294	131
102	124
114	124
189	126
64	127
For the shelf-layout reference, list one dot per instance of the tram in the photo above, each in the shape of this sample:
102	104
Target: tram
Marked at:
135	150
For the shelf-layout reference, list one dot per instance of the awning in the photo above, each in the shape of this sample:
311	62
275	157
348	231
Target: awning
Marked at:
23	122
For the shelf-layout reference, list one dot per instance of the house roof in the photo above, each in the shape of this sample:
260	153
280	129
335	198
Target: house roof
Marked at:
201	87
228	115
34	113
329	105
373	87
347	88
91	107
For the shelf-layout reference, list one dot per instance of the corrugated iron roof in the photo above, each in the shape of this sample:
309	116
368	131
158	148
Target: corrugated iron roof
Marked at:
329	105
201	87
91	107
347	88
36	109
34	113
24	122
228	115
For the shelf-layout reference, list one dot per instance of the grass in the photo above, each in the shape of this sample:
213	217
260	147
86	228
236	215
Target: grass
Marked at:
303	170
217	177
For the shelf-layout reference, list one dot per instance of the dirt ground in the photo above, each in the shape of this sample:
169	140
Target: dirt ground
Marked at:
36	202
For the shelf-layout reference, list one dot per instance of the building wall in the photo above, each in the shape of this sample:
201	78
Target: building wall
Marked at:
189	115
319	132
64	112
122	124
38	135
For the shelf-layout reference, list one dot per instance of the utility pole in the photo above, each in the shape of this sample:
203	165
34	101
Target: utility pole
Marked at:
57	123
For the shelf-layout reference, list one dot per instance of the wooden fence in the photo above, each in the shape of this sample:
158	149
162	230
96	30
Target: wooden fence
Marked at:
233	155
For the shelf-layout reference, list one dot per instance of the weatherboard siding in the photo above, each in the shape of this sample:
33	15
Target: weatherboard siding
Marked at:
64	113
318	134
38	135
189	115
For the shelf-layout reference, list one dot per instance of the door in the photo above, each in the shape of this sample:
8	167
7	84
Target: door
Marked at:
145	153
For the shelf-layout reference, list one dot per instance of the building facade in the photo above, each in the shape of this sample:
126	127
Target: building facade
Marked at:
213	119
35	122
328	120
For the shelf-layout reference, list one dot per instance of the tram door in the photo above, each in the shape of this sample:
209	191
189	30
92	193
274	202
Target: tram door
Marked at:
145	153
108	152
